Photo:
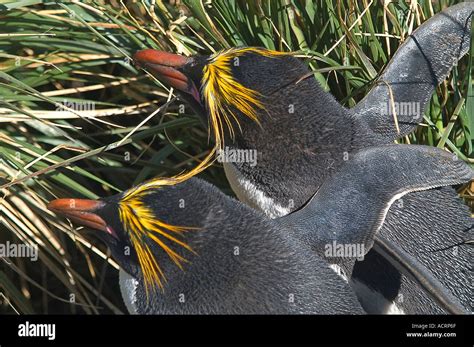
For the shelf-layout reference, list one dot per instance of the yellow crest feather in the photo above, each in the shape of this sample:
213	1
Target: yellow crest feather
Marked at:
223	92
140	223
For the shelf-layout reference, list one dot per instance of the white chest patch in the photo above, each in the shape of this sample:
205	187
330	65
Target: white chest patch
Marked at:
374	302
340	272
128	289
249	194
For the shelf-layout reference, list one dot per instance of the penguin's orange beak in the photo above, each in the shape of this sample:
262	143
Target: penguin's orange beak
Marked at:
81	211
165	67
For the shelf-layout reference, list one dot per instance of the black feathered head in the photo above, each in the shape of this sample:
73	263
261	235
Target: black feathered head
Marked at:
135	221
228	87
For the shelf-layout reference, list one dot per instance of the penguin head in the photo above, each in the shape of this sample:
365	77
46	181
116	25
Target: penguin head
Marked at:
232	89
139	227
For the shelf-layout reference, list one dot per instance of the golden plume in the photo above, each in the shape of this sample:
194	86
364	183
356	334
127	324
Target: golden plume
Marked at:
223	92
142	224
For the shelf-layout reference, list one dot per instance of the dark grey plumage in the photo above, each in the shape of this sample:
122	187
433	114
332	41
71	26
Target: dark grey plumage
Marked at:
305	136
242	264
242	261
351	206
272	265
313	142
357	197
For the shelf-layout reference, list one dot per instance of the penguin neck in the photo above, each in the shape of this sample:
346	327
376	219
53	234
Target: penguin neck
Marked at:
312	225
298	129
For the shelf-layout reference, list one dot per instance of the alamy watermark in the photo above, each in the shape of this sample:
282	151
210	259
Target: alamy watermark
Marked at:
28	329
345	250
15	250
78	106
232	155
409	109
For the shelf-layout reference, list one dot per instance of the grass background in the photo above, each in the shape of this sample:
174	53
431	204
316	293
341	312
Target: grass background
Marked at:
77	119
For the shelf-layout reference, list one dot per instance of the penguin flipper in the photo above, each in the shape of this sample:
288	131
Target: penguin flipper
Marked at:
417	272
436	227
351	206
421	63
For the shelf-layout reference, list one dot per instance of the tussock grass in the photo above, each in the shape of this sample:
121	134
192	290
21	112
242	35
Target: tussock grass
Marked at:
71	101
